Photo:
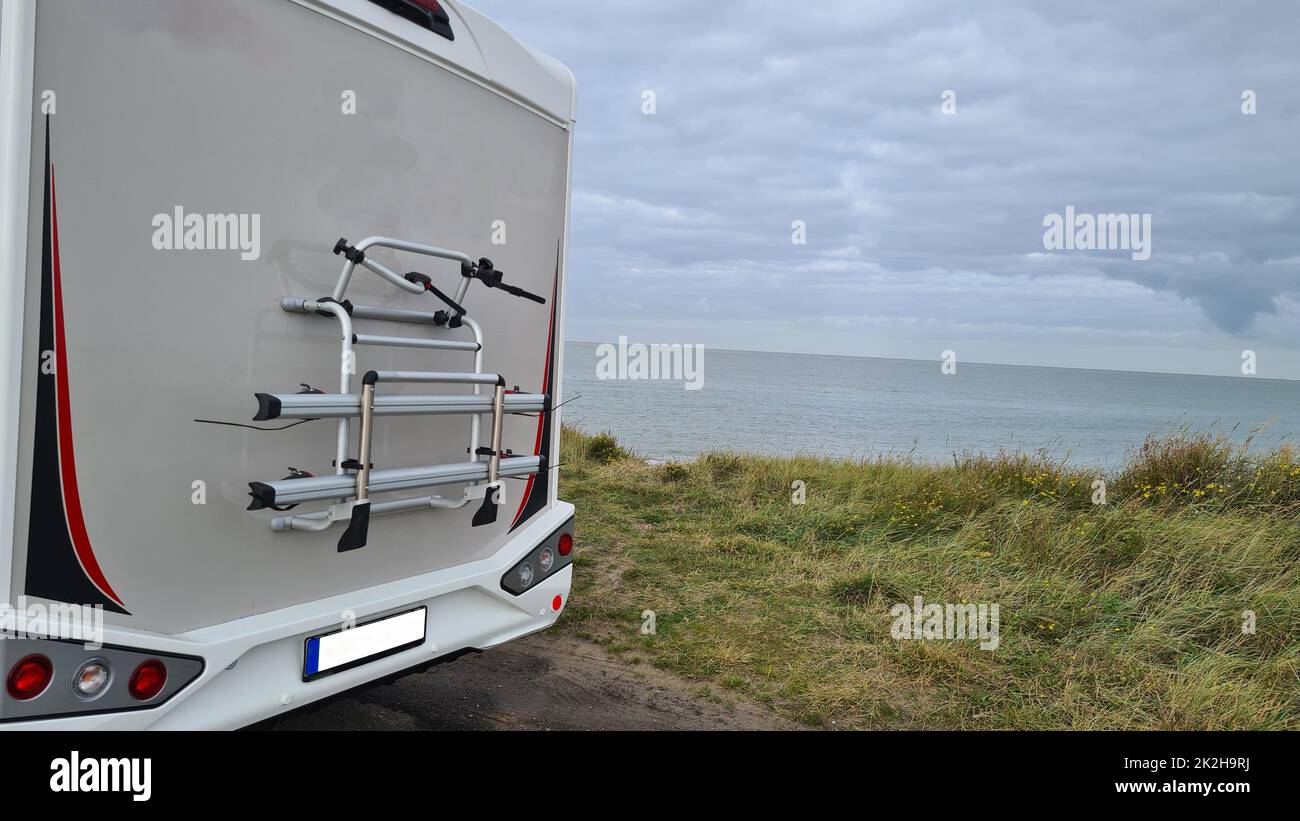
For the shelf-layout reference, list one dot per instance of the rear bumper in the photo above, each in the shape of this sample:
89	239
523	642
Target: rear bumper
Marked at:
253	667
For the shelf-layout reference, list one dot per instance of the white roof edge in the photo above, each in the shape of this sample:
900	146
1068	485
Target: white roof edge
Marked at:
521	68
482	50
563	74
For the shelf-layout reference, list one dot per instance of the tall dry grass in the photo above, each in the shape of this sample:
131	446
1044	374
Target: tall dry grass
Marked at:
1127	614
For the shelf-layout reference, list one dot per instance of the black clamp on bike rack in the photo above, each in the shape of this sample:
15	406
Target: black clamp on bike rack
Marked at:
349	252
442	318
490	276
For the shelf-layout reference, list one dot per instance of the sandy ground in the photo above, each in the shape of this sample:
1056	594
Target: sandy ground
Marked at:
542	682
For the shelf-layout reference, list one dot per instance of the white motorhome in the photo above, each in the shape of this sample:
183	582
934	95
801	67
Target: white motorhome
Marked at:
279	464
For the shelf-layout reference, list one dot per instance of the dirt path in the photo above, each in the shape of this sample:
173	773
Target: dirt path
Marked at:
541	682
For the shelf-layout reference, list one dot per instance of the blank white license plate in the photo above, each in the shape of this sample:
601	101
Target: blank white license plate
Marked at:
345	649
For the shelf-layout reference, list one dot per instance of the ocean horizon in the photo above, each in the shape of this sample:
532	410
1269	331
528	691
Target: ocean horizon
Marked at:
853	407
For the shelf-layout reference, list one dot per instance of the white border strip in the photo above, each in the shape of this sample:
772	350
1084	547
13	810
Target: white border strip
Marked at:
17	62
557	389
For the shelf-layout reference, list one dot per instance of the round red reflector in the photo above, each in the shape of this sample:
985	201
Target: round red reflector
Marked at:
566	544
557	603
29	677
148	679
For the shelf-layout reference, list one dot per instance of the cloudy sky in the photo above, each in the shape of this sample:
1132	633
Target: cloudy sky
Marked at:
925	230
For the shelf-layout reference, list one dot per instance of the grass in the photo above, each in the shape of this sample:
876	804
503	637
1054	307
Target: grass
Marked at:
1122	615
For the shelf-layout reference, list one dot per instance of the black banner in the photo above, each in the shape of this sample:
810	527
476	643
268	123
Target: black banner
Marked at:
1218	770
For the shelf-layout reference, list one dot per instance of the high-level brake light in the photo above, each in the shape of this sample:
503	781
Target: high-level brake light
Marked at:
427	13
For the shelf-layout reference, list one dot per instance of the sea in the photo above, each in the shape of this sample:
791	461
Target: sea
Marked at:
859	407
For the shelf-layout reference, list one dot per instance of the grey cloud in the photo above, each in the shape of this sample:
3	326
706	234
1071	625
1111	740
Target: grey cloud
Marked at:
829	112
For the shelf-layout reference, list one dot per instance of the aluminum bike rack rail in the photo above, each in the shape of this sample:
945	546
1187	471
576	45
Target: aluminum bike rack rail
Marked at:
355	480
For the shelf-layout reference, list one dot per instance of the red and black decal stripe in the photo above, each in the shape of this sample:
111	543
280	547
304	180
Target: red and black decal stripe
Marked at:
537	491
61	563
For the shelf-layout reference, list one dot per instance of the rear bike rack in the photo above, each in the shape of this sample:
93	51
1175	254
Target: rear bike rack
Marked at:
355	480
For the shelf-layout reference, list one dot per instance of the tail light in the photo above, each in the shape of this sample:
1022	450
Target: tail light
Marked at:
92	678
148	680
55	677
542	562
29	677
